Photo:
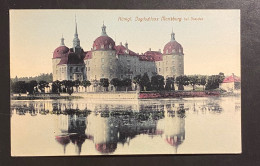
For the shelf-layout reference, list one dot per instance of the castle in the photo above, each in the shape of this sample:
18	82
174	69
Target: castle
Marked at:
108	60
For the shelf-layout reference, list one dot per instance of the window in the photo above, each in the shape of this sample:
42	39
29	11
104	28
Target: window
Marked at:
110	60
111	67
88	68
159	69
102	75
102	46
110	46
102	60
102	66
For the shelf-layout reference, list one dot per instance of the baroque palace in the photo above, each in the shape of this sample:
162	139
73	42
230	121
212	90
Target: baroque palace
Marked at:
108	60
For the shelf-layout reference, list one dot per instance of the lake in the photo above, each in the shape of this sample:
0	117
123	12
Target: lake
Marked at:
108	127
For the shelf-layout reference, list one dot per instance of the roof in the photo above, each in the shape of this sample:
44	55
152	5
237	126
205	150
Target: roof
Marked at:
72	58
231	78
172	47
60	51
88	55
103	42
155	55
122	50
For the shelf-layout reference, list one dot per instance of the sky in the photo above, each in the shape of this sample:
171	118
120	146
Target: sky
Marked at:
210	38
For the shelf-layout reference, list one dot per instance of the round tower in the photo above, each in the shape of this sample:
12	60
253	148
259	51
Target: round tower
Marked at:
103	62
58	53
173	58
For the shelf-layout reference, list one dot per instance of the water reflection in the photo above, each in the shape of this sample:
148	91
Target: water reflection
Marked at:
110	124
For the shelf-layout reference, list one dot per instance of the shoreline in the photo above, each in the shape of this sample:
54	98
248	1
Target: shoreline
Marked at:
125	95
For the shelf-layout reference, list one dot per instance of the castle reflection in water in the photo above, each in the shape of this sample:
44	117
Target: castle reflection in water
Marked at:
109	124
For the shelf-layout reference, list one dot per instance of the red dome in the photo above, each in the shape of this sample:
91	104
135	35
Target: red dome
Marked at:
103	42
60	51
172	46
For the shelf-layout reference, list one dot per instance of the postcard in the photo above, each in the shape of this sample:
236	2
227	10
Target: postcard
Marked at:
125	82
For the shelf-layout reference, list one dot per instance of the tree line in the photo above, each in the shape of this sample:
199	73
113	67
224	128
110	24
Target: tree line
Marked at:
42	77
156	83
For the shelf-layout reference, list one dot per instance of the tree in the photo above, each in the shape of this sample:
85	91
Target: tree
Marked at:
214	80
104	83
69	86
56	86
182	81
126	83
202	81
170	83
19	87
43	85
77	84
194	80
30	86
86	83
145	82
115	82
157	82
221	76
137	80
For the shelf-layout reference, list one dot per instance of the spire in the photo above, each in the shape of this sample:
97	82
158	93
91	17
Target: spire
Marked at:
76	28
104	33
76	41
62	41
172	36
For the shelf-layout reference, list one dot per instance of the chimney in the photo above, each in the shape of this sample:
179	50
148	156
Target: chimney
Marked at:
150	49
120	43
160	50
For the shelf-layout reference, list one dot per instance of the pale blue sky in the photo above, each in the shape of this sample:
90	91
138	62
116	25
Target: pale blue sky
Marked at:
210	46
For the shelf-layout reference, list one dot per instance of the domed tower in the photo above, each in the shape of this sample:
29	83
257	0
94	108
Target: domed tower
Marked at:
58	53
103	63
173	59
